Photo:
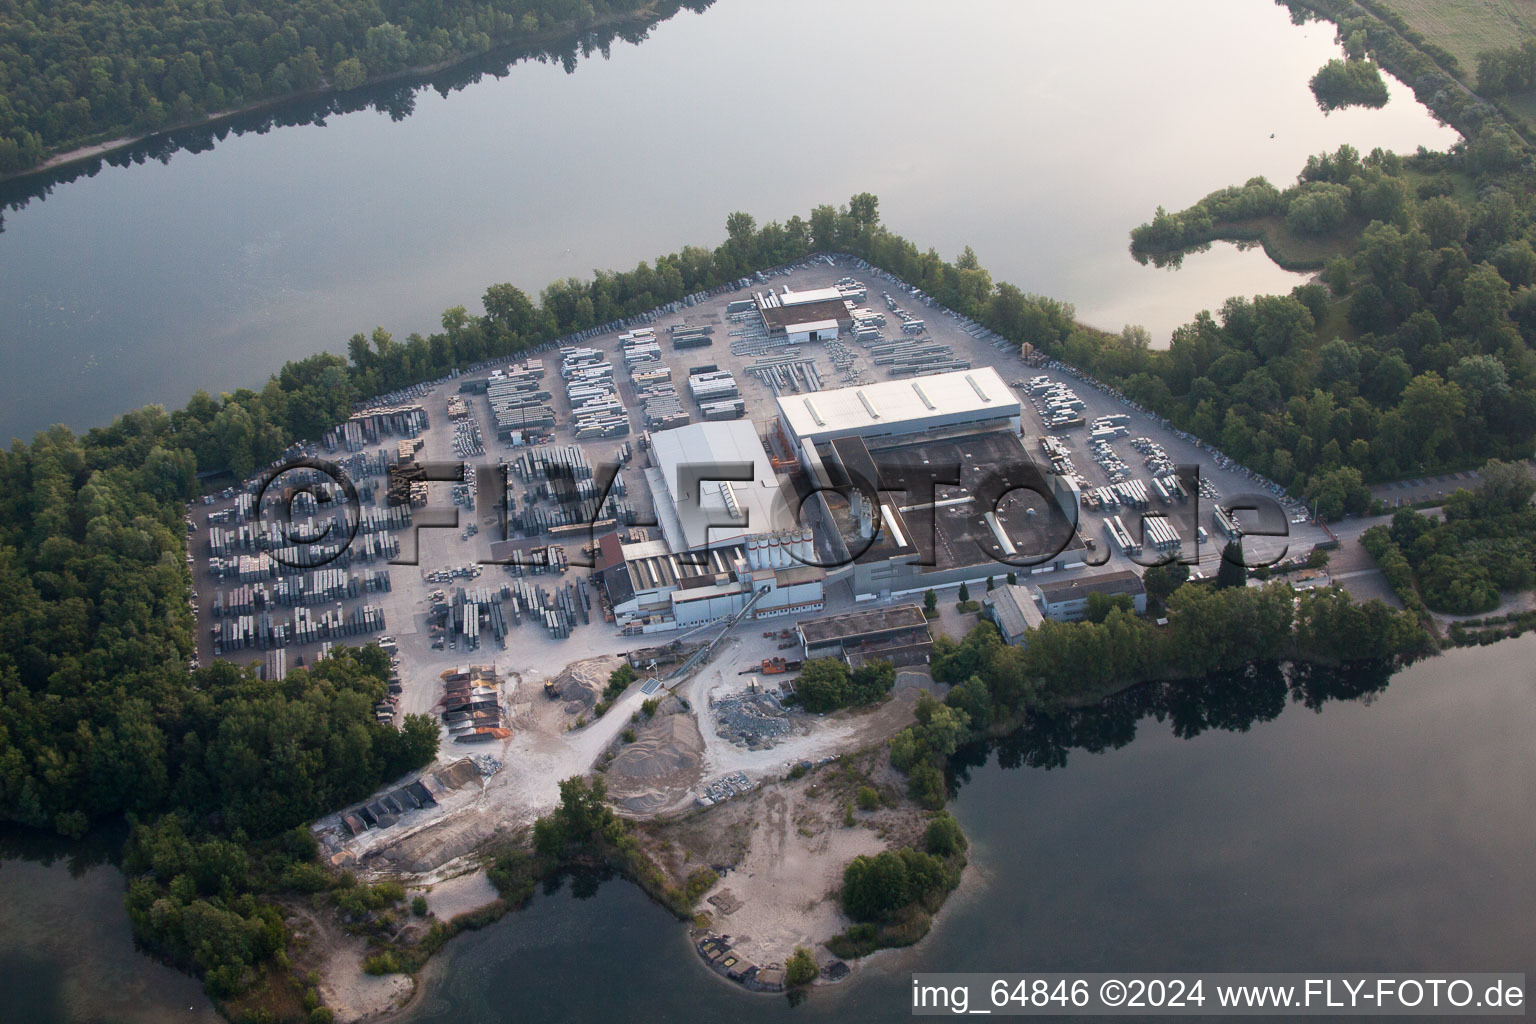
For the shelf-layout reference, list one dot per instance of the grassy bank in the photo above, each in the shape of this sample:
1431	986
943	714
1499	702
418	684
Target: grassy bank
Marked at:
1288	250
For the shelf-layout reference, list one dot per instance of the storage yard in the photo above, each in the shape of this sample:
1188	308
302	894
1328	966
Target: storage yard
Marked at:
559	557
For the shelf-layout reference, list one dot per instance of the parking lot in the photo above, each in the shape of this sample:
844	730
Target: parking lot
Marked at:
450	557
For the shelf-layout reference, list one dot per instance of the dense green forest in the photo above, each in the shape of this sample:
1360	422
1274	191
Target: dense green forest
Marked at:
1484	542
1346	83
100	716
1413	356
78	71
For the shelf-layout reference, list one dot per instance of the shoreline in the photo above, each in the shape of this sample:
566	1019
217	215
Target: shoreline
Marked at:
97	150
758	926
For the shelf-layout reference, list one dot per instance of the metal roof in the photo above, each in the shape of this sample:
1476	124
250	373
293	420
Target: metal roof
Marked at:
711	512
899	406
813	325
859	624
1122	582
1015	610
789	298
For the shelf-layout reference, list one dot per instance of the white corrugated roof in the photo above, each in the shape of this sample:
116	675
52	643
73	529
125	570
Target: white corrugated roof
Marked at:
847	410
747	506
789	298
815	325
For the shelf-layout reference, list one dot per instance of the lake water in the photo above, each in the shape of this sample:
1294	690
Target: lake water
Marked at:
1394	834
1387	832
66	948
1039	134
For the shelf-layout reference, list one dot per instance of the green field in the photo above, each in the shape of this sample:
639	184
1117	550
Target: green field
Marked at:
1468	27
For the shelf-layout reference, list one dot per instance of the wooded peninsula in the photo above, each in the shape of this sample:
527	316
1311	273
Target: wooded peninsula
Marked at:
80	72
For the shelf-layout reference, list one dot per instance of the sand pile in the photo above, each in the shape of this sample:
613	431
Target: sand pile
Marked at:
660	769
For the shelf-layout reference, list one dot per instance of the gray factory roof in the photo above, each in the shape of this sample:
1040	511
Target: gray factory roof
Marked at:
780	317
1015	610
1111	583
865	622
705	512
896	406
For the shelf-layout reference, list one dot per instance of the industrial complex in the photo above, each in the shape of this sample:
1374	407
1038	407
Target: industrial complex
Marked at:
714	492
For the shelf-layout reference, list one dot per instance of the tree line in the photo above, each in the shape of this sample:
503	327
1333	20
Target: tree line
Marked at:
76	71
1484	543
1412	357
1507	70
100	717
1211	631
1230	701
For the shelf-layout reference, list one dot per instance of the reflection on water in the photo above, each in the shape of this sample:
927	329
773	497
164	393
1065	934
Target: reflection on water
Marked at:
1264	820
1038	134
66	949
396	99
1313	821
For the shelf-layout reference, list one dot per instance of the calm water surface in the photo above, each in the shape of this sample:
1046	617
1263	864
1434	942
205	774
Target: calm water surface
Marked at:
66	950
1390	833
1039	134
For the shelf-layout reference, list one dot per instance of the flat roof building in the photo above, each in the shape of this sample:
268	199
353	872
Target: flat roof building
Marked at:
695	509
802	317
1067	600
716	497
975	397
898	634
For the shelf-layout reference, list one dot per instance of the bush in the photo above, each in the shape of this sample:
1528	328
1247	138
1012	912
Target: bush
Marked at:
619	680
826	684
419	906
869	798
859	940
648	707
1344	83
322	1015
699	882
878	888
628	736
1318	208
306	877
801	968
944	836
382	963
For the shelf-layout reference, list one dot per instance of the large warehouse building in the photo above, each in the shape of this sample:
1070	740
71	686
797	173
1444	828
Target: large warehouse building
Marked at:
977	399
804	317
696	511
720	547
924	531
